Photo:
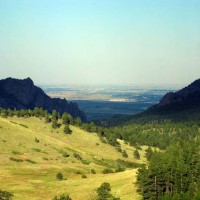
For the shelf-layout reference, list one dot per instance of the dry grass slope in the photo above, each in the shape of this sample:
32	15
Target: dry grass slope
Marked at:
31	154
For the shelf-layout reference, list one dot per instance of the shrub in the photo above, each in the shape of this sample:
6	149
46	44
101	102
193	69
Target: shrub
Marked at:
85	162
107	171
16	159
67	130
93	171
15	152
66	155
136	154
84	176
63	197
119	169
25	126
124	154
45	159
4	195
78	172
59	176
77	156
36	149
127	164
30	161
104	192
37	140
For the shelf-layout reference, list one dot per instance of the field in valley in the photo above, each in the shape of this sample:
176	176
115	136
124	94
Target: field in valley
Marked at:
32	153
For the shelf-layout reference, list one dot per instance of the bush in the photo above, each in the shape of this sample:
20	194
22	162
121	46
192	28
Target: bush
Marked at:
36	149
84	176
104	192
16	159
25	126
66	155
77	156
119	169
63	197
59	176
85	162
136	154
93	171
124	154
15	152
67	130
37	140
30	161
4	195
107	171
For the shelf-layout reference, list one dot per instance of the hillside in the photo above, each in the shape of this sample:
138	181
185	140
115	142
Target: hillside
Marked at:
23	94
32	153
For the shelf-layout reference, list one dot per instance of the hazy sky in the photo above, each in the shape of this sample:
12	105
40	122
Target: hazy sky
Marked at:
100	41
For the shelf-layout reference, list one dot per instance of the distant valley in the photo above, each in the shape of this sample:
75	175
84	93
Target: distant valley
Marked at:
104	102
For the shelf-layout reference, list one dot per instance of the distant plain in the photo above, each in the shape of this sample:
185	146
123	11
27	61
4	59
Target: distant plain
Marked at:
103	102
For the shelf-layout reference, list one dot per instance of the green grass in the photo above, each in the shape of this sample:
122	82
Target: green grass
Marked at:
26	173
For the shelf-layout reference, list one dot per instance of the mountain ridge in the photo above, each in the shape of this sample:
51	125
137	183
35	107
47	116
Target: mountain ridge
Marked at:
23	94
185	98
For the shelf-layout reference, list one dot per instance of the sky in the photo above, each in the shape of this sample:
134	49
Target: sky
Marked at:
122	42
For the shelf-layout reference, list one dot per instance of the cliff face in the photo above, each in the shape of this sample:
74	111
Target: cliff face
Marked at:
188	97
23	94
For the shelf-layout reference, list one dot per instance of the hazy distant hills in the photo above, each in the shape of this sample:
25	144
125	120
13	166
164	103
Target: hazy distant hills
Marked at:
23	94
182	100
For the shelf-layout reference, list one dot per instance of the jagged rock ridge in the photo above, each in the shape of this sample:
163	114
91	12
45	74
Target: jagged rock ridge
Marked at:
23	94
188	97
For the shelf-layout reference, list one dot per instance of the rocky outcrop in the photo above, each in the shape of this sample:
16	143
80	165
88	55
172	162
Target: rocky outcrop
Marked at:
188	97
23	94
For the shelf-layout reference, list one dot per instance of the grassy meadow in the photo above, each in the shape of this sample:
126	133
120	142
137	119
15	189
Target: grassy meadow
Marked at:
32	153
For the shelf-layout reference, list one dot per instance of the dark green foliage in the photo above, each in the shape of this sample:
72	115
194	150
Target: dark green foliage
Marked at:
37	140
25	126
30	161
36	149
149	153
16	152
119	169
124	154
84	176
104	192
67	118
47	118
127	164
93	171
4	195
16	159
59	176
78	122
85	162
107	171
55	124
136	154
65	154
173	174
77	156
63	197
67	130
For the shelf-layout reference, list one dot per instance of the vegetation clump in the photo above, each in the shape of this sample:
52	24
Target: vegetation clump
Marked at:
59	176
4	195
104	192
107	171
62	197
16	159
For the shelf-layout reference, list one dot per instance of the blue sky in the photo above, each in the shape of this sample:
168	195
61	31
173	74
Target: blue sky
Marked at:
100	41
